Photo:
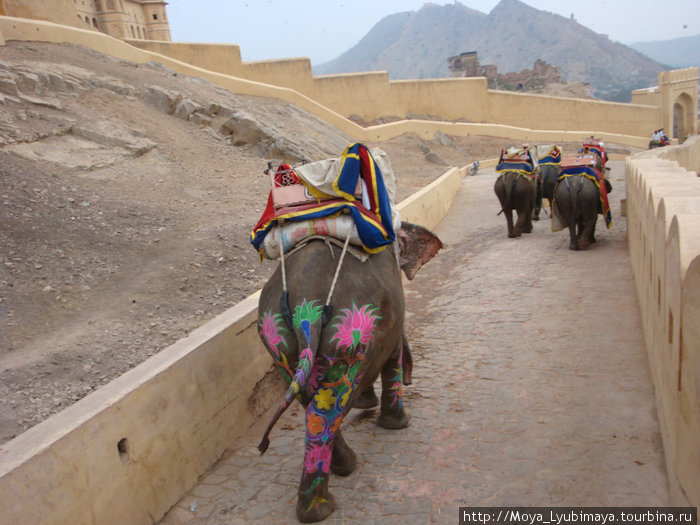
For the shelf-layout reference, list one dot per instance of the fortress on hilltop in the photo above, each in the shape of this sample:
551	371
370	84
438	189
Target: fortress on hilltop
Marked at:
542	74
141	19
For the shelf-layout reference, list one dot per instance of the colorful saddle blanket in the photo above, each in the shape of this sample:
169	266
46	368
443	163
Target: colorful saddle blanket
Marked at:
595	149
332	187
586	165
549	155
516	160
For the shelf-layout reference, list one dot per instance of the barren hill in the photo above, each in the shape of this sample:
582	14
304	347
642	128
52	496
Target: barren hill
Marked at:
512	36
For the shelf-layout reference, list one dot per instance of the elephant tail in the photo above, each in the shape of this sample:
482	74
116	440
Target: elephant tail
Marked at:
508	191
307	326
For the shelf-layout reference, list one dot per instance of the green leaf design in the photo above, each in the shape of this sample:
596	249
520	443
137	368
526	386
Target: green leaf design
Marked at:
307	312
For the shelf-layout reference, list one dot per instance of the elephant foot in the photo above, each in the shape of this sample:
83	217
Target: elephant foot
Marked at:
583	244
316	508
394	420
366	399
573	246
512	235
344	460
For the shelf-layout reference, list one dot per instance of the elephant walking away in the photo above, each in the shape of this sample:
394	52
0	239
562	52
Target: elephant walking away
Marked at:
549	163
516	189
330	353
579	196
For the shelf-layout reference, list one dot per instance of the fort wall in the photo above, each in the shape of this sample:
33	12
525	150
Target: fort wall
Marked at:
663	224
372	96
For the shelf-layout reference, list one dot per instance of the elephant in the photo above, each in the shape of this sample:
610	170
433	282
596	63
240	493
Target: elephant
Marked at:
332	340
549	174
577	203
518	192
549	164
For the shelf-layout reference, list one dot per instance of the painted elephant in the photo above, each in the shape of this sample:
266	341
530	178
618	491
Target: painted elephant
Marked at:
517	192
329	354
577	203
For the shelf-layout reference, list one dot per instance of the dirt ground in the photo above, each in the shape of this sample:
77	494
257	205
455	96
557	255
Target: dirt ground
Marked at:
124	222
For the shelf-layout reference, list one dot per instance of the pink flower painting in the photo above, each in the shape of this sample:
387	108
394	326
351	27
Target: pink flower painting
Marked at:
355	326
318	456
270	330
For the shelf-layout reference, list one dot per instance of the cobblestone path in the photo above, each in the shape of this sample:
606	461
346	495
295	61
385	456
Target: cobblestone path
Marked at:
531	388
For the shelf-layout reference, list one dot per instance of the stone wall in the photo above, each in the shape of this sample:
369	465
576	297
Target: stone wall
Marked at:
663	223
372	96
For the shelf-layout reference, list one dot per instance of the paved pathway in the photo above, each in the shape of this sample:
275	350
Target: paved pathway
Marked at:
531	387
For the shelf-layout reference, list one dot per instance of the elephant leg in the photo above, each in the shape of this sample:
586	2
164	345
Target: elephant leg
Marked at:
573	237
527	223
509	222
521	223
315	502
407	361
324	414
344	461
393	415
587	233
538	201
366	399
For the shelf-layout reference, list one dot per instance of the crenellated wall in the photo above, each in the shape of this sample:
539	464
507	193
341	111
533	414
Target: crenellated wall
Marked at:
663	225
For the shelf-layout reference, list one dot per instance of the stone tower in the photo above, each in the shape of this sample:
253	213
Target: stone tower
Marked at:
139	19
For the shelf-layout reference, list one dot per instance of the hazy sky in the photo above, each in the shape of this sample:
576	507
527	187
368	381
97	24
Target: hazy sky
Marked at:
323	29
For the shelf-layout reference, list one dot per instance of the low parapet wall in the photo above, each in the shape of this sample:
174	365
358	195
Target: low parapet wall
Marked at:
663	224
127	452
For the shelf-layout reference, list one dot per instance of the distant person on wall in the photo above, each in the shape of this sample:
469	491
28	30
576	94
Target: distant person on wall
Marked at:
658	139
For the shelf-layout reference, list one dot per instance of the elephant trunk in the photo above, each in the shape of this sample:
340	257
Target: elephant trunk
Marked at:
300	380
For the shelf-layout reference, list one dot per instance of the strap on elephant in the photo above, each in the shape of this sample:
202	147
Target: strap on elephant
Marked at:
327	307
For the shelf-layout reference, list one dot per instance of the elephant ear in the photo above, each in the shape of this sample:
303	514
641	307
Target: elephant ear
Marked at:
417	245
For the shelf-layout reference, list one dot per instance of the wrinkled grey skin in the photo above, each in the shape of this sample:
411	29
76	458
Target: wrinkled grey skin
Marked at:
577	201
374	285
516	192
549	174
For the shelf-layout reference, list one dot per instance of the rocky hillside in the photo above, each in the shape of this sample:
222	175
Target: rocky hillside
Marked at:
512	36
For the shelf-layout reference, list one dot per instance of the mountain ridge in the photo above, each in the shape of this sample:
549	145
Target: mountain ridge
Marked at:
512	36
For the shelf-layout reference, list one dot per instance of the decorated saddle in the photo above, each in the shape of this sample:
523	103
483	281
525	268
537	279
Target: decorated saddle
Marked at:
351	195
518	160
549	155
595	148
586	165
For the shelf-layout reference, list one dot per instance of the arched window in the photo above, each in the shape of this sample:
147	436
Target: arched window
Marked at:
133	34
87	20
94	23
